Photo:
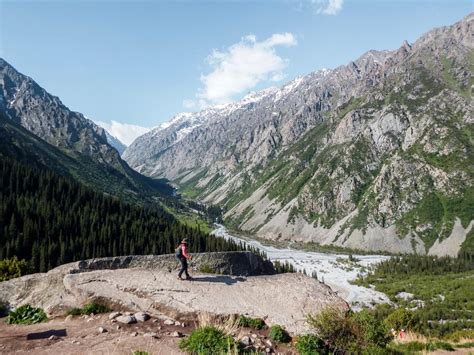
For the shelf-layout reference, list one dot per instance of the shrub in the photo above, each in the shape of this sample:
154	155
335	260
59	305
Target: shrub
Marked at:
372	331
26	314
439	345
401	318
310	344
208	340
88	309
459	335
349	332
416	346
412	346
277	333
465	345
255	323
11	268
335	327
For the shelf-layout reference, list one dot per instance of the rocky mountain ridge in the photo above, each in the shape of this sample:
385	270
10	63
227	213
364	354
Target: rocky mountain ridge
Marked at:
376	154
76	142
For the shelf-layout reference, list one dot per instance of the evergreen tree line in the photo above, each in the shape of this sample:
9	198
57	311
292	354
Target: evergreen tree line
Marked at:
416	264
48	220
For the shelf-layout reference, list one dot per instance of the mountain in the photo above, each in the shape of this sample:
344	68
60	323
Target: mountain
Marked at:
374	155
115	142
149	146
37	128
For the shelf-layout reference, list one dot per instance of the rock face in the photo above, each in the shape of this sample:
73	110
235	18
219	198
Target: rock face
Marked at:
226	263
84	152
283	299
373	155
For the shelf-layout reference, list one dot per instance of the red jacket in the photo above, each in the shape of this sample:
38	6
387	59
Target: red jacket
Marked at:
184	251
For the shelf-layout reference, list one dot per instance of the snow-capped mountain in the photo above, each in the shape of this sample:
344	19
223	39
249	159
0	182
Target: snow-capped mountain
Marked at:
153	143
371	155
115	142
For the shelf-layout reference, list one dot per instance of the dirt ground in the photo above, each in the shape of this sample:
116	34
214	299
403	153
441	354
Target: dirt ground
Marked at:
80	335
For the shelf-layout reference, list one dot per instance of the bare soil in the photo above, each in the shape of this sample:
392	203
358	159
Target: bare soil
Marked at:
80	335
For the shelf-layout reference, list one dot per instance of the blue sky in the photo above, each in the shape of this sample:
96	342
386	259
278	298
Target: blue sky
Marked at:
141	62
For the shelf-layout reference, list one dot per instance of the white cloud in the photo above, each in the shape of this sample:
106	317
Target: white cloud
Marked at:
241	67
328	7
125	132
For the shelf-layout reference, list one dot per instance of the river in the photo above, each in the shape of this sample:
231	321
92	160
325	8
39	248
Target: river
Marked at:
335	270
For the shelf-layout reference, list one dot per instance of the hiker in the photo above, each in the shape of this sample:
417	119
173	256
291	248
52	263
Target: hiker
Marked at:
183	256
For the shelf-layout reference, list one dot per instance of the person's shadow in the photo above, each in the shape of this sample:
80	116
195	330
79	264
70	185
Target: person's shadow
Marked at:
228	280
46	334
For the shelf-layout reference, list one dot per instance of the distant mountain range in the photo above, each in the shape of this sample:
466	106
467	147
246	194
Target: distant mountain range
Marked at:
115	142
38	129
375	155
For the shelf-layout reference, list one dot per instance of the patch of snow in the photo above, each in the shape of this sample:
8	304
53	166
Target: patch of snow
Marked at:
11	102
285	90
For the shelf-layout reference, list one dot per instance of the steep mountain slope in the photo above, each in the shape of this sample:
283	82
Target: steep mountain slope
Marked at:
147	148
373	155
115	142
63	140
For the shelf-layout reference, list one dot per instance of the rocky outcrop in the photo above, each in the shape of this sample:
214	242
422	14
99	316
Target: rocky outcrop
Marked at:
225	263
147	285
360	155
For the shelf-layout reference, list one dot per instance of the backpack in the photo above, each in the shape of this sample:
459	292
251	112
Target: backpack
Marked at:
179	252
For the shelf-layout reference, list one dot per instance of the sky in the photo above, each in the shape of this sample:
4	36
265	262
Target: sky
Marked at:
131	65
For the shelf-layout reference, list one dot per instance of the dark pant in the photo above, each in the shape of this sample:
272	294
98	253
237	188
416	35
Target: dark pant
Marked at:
184	267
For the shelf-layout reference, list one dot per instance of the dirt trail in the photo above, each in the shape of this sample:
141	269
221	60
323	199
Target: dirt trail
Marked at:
80	335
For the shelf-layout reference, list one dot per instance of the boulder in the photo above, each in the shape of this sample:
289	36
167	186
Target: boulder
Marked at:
141	316
114	315
126	319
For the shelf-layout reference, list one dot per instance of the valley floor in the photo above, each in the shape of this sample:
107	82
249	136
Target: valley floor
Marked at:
336	270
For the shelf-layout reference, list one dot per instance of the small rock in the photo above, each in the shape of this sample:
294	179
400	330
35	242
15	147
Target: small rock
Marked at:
89	320
118	327
126	319
114	315
141	316
134	334
152	335
269	343
169	322
129	313
183	325
92	315
53	337
268	350
254	336
158	327
176	334
177	323
113	321
155	320
68	318
246	340
102	330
